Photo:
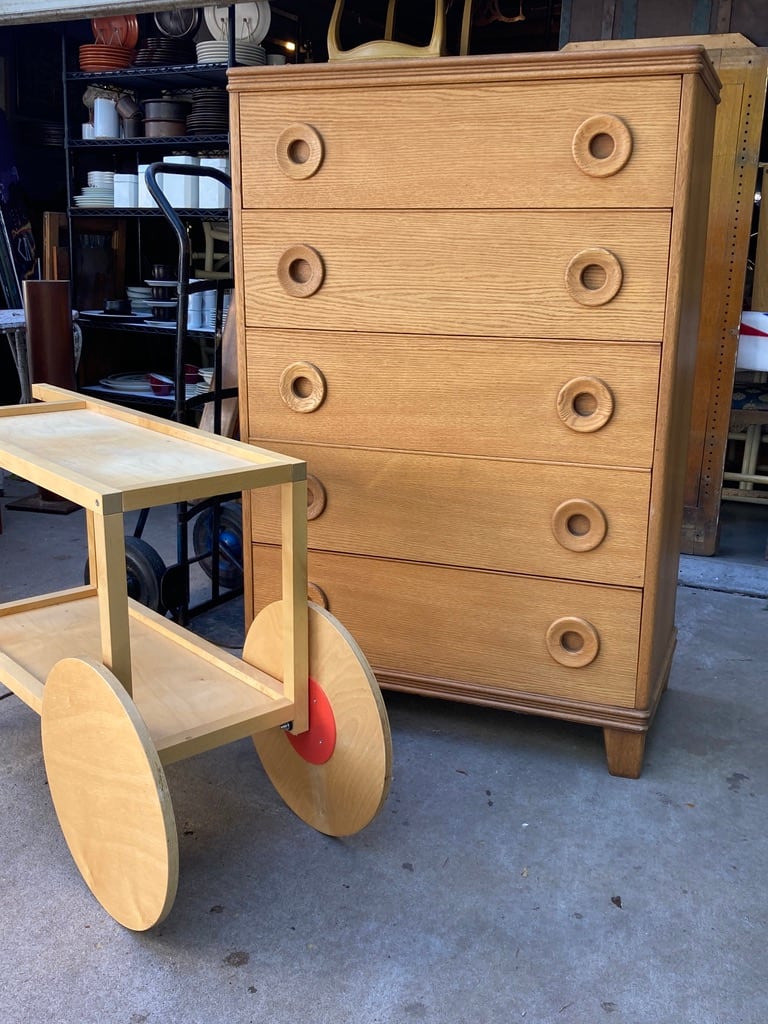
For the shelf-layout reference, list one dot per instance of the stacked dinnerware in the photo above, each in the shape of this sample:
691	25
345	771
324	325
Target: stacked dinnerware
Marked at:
216	51
140	299
98	192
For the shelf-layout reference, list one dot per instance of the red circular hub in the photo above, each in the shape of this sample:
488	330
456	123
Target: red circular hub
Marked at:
319	741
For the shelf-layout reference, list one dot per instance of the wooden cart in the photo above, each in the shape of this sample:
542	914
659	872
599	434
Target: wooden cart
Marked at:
123	691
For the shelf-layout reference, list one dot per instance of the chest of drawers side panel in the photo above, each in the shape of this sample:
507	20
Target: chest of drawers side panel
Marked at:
688	247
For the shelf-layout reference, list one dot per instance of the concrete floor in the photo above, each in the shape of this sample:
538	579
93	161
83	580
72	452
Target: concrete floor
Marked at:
509	876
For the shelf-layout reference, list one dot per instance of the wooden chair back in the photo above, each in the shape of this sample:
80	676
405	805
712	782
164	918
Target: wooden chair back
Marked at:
387	47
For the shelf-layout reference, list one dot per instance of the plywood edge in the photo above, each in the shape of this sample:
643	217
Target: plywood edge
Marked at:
46	600
715	41
211	734
38	409
27	687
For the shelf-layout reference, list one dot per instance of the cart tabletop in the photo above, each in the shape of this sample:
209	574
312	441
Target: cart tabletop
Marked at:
109	460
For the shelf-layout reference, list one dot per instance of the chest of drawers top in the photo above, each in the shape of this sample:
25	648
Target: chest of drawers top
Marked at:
524	131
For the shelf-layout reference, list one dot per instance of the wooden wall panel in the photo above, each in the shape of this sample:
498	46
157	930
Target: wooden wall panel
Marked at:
583	20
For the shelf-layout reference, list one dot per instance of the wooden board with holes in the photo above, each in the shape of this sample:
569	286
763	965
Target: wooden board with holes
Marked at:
743	71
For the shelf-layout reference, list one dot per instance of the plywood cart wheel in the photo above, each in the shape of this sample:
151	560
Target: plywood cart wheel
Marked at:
336	775
110	793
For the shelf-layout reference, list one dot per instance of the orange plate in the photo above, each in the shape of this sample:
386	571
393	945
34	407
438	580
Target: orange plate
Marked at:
117	30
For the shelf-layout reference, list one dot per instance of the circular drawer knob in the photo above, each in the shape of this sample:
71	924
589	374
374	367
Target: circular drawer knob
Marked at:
300	271
579	525
593	277
316	594
573	642
585	404
602	145
302	387
299	151
316	497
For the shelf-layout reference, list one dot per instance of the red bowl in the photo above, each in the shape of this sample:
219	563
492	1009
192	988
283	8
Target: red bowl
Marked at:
162	386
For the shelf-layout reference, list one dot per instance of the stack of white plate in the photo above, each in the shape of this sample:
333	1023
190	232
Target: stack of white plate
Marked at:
100	190
209	315
140	299
215	51
95	196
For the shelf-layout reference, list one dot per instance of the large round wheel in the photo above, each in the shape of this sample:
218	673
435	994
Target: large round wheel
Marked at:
336	776
229	541
110	793
144	571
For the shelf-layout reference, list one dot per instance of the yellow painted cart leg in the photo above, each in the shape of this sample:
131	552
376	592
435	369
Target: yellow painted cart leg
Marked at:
110	793
336	775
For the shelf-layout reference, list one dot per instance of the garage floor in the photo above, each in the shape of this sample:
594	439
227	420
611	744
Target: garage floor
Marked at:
508	878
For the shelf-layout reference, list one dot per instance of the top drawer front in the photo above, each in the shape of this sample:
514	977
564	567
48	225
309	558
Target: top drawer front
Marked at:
539	274
477	145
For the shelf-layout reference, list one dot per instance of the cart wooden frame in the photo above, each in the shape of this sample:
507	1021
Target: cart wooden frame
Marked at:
123	691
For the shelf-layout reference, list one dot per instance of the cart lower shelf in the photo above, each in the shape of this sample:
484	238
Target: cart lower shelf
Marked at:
192	695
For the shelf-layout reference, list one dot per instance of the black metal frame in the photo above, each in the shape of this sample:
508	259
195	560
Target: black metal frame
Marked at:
176	582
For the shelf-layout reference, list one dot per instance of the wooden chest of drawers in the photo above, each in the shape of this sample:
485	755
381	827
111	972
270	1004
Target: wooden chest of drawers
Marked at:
467	297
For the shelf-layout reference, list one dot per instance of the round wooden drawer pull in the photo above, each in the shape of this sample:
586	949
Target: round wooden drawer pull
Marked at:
302	387
585	404
316	497
299	151
573	642
594	277
300	271
316	594
579	525
602	145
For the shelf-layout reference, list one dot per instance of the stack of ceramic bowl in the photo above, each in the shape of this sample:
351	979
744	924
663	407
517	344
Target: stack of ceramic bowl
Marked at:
99	191
140	299
216	51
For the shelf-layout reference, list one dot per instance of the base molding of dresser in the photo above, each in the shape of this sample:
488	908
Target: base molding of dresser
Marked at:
624	729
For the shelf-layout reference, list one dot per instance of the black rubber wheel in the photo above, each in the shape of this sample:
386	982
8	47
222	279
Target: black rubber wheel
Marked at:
230	543
144	570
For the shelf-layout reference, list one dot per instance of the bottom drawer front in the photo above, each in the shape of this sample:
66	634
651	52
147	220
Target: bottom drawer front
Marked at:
493	629
570	522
